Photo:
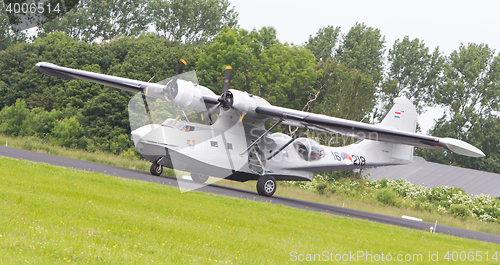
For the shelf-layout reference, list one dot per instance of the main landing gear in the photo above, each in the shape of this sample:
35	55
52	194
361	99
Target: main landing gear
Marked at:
156	169
266	186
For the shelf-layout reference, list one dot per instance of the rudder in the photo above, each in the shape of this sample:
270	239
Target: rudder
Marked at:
402	116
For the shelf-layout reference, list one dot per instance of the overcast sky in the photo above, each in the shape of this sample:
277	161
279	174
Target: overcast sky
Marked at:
438	23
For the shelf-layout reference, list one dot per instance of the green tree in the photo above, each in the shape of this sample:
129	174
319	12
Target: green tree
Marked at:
16	80
470	95
343	92
7	35
413	73
68	133
93	20
281	73
471	87
484	136
100	110
52	92
12	119
160	60
285	75
323	44
363	48
192	20
238	48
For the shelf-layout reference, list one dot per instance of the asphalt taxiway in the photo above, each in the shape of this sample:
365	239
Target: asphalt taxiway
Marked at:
245	194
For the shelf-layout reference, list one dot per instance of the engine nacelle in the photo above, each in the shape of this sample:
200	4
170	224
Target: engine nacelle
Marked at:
247	103
190	96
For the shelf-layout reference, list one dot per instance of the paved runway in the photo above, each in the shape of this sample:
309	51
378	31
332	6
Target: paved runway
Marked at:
249	195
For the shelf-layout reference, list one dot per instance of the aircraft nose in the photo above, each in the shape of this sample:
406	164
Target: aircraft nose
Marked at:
140	132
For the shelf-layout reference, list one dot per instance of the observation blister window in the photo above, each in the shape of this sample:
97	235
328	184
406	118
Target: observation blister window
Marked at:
308	149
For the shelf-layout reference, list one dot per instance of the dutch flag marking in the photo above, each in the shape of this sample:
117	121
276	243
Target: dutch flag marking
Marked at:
397	114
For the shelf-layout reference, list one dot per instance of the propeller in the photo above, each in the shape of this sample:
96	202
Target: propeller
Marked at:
180	66
226	99
172	152
171	89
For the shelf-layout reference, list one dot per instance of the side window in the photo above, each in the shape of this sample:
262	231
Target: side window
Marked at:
187	128
214	143
302	149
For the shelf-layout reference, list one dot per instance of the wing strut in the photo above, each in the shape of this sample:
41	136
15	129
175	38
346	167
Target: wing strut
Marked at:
289	142
260	137
185	116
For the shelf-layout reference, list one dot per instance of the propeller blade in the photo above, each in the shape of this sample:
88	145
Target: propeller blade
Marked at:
226	98
170	90
180	66
210	110
227	79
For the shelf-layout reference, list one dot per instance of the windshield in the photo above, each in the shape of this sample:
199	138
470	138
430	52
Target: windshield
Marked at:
308	149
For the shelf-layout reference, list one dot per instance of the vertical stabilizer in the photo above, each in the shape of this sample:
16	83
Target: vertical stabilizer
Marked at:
402	116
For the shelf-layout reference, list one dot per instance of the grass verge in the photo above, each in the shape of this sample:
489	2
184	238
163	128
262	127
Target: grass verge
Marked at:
358	204
52	214
38	145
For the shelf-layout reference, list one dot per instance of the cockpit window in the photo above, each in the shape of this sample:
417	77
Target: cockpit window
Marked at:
308	149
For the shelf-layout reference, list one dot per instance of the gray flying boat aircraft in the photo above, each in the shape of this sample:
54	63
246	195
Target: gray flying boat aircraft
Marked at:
172	126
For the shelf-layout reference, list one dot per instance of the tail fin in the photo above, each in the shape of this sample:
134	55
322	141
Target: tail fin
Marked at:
402	116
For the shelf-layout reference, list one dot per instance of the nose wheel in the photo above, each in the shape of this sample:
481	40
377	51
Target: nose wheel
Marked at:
156	169
266	186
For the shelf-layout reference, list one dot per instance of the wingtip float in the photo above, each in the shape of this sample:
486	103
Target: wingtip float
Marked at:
461	147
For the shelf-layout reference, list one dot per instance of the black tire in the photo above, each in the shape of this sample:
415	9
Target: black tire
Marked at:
199	178
266	186
156	169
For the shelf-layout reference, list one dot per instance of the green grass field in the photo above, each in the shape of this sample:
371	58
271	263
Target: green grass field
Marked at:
39	145
51	215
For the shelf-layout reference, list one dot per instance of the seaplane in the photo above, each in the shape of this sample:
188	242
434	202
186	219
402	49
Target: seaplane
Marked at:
178	123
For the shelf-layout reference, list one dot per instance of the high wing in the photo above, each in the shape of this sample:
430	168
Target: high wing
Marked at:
265	111
118	82
366	131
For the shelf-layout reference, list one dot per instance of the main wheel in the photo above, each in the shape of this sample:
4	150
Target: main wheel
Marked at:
156	169
199	178
266	186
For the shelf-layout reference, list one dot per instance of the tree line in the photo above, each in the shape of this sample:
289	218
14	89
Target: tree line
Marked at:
348	75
